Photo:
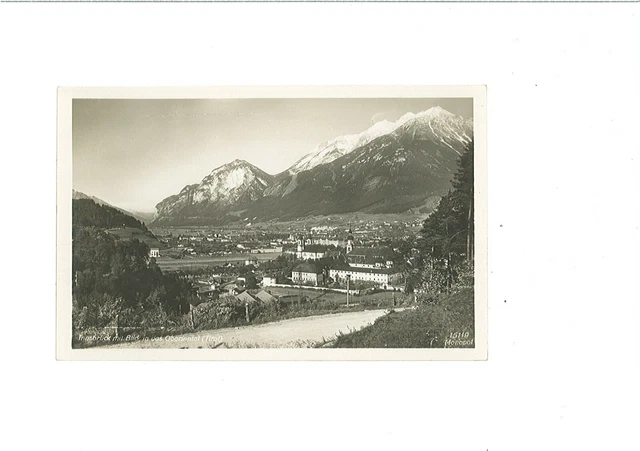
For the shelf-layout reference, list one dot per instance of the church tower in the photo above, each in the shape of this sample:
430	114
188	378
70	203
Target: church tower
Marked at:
349	241
300	246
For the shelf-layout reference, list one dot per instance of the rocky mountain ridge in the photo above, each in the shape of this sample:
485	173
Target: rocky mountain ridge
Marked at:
390	167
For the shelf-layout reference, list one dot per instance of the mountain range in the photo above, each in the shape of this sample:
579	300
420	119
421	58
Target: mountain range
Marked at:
391	167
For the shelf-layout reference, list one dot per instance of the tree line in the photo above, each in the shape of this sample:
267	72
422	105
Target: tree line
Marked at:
446	241
87	213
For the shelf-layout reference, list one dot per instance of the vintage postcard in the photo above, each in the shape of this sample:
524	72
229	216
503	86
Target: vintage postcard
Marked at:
272	223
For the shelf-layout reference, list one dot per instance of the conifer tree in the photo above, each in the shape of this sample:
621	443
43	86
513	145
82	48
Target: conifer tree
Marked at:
449	231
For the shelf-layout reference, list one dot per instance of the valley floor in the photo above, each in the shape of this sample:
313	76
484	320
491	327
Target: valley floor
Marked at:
170	264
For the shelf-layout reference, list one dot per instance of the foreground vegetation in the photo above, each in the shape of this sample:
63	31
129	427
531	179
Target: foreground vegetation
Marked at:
447	321
229	312
221	313
116	286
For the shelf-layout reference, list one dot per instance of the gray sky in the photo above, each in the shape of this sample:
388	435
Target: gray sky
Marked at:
134	153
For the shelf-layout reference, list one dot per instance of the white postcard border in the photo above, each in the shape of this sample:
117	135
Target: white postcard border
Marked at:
64	350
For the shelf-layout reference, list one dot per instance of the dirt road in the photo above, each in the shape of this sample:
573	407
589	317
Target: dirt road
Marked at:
290	333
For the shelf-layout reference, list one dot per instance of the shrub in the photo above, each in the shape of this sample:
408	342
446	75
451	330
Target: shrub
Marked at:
434	325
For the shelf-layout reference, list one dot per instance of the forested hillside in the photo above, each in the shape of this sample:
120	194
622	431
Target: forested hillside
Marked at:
87	213
115	283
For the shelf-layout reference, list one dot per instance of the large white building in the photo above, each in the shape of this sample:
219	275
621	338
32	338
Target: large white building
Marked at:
382	277
267	250
371	257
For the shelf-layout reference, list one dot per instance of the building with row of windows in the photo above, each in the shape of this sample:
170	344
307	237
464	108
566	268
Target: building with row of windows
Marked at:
371	257
309	273
382	277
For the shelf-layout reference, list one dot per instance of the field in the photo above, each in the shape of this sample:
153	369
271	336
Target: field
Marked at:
128	233
386	297
312	295
170	264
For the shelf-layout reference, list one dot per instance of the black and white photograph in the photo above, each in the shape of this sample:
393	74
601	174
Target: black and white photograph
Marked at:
287	223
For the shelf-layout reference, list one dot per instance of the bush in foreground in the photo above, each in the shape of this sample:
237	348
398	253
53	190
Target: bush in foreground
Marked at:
448	322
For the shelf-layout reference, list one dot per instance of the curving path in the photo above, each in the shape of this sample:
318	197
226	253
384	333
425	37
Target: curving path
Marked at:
290	333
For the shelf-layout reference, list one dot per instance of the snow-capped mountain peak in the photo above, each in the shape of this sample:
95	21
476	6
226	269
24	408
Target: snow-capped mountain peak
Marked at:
235	182
434	111
441	125
342	145
224	181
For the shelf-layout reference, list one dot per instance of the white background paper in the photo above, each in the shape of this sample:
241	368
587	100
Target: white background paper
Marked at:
563	228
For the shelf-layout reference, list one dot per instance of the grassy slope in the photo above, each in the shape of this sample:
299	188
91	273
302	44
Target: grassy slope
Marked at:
427	326
128	233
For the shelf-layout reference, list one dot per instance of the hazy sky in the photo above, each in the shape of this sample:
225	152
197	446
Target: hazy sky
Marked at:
134	153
